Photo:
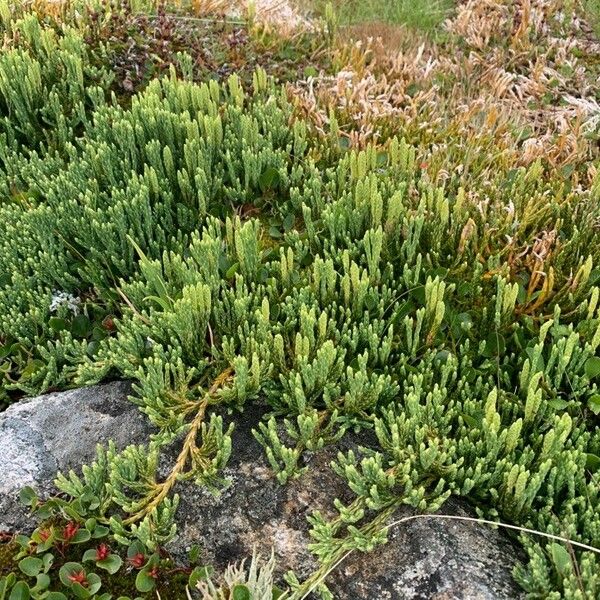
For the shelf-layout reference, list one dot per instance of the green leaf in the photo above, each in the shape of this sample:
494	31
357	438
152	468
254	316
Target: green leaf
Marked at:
561	558
289	221
382	159
418	293
275	232
57	324
143	582
198	574
241	592
23	541
89	555
567	170
20	592
162	302
371	302
27	496
83	535
469	420
277	592
42	581
100	532
495	344
310	71
268	179
73	510
592	367
592	462
56	596
136	547
81	326
443	356
94	583
79	591
594	403
68	569
90	524
153	561
233	269
6	583
92	502
558	403
48	560
344	142
412	89
99	333
43	512
44	546
31	566
112	563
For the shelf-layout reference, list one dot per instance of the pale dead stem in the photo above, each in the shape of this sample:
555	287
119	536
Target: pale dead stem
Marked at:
189	448
281	15
537	258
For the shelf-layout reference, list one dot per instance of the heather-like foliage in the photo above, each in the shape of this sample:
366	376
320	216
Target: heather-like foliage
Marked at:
206	244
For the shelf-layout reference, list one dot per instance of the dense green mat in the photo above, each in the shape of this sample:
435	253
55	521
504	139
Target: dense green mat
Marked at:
211	247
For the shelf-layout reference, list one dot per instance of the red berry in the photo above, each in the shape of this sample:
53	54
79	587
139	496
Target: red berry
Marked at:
138	560
102	552
70	530
79	577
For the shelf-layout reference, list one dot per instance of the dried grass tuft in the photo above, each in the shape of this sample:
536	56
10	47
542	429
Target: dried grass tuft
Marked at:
511	80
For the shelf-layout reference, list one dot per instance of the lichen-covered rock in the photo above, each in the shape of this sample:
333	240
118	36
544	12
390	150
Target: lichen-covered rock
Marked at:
59	431
425	558
433	559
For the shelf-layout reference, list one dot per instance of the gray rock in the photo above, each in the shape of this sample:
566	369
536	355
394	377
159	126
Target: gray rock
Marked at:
59	431
255	511
433	559
429	559
424	559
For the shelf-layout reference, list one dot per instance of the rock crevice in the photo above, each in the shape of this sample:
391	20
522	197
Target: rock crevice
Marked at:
424	559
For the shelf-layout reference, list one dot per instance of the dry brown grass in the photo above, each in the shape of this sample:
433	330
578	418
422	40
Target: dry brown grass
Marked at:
282	15
515	81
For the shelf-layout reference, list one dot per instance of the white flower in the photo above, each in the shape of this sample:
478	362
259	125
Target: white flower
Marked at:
60	299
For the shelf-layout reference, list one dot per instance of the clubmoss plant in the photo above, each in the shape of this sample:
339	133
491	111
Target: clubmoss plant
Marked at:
224	251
